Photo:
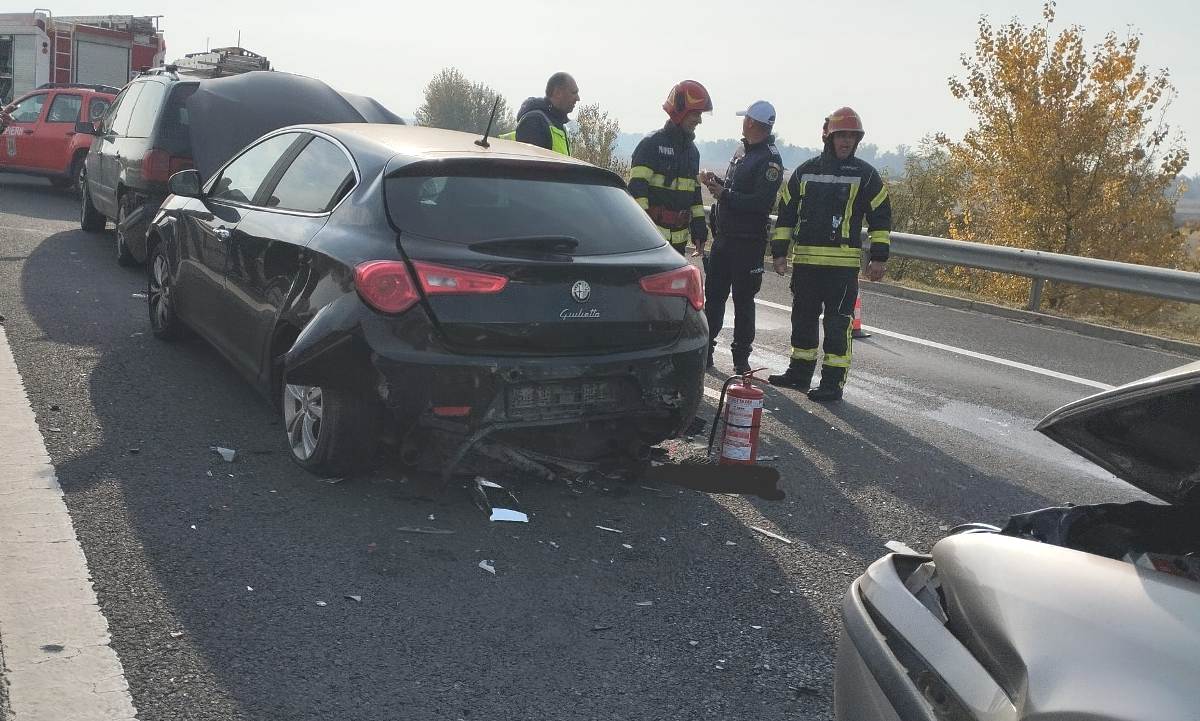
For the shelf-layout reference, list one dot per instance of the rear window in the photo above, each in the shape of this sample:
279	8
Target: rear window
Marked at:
141	123
173	130
466	209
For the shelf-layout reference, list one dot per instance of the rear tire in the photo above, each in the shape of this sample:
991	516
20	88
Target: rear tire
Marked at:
124	256
164	322
330	431
90	219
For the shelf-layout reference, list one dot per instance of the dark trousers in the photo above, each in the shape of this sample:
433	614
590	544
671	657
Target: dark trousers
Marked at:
834	290
734	265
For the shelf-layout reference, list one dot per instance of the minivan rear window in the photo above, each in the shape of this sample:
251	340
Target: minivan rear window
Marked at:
466	209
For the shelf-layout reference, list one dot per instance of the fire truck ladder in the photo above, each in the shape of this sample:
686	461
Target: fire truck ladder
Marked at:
63	56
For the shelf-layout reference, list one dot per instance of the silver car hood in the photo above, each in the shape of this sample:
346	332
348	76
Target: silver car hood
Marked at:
1146	432
1072	635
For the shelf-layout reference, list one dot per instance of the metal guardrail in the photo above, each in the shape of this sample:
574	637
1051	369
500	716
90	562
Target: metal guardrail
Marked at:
1042	266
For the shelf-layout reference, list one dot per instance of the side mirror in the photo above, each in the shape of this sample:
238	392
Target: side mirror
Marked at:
185	183
86	128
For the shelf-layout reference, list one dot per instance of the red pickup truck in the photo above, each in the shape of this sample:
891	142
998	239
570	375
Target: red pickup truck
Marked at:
37	131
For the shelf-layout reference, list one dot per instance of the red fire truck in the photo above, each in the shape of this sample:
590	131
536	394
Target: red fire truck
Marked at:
38	48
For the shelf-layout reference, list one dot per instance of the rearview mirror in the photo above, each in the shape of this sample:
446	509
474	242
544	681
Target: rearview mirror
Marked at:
185	183
86	128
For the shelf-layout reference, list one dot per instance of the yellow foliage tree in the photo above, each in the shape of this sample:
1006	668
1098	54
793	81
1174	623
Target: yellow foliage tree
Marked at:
1070	154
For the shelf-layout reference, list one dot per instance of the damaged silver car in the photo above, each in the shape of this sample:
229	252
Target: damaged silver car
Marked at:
1082	612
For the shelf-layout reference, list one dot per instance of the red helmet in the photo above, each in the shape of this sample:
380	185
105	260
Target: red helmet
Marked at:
842	119
686	97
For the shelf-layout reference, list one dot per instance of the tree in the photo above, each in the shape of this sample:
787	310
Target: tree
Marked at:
924	202
1071	153
455	103
594	139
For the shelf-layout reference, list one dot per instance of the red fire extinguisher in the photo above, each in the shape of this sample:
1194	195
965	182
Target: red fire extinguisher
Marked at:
740	423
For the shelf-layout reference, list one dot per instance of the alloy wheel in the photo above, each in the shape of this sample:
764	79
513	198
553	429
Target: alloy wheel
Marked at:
159	292
302	415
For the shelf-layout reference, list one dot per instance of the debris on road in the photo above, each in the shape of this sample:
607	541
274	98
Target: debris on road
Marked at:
627	546
730	543
176	634
768	534
693	643
610	530
756	628
227	453
601	628
487	566
496	501
372	547
901	548
332	481
134	451
249	588
139	295
553	544
429	531
644	603
356	599
322	604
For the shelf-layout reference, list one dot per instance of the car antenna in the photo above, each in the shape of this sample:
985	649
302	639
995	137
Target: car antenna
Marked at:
482	142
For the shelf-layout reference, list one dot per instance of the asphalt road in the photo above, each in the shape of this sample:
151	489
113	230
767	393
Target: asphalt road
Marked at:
210	573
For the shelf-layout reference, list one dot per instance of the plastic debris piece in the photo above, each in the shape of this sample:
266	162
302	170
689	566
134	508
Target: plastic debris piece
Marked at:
138	295
333	481
663	539
626	545
644	603
768	458
322	604
249	588
208	473
429	531
508	515
901	548
552	543
756	628
135	451
431	517
488	567
693	643
702	523
601	628
227	453
730	543
610	530
774	591
496	501
176	634
356	599
768	534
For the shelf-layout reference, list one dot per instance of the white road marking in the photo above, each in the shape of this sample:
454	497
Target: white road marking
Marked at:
57	657
968	353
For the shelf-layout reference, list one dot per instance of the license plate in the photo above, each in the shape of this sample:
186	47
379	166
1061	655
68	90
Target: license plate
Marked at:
560	395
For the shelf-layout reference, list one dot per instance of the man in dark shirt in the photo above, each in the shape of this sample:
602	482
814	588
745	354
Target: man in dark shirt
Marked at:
543	121
745	198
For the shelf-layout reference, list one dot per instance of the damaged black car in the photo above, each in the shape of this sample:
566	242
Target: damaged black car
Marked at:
389	282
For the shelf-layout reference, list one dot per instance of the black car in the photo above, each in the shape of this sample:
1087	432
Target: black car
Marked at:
373	276
157	121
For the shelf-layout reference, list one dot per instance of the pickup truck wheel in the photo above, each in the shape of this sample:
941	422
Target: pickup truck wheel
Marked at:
90	219
124	257
331	431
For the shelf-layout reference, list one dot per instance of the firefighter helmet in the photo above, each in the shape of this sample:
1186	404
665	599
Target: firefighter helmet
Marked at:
686	97
842	119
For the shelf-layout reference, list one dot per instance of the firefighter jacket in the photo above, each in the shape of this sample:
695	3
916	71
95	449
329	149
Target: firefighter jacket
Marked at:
821	212
751	188
540	123
663	181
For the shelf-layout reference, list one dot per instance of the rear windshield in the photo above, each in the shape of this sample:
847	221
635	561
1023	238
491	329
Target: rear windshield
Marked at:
466	209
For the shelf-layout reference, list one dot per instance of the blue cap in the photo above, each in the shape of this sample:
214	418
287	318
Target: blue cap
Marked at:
760	110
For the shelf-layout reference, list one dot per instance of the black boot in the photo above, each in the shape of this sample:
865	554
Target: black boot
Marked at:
741	365
798	375
709	363
825	393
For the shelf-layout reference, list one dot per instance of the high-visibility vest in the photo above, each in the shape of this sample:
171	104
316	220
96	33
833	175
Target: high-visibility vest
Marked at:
558	136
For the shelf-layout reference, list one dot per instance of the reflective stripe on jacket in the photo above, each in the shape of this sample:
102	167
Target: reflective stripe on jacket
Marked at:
663	181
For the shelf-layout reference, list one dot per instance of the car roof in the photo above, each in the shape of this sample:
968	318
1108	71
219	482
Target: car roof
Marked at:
409	143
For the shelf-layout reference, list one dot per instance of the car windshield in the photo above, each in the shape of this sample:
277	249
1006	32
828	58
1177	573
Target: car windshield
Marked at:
467	209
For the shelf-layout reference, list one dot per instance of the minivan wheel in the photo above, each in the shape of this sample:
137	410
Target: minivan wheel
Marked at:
164	323
124	256
90	219
330	431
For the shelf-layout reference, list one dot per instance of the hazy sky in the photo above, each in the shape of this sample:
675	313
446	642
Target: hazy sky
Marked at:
888	60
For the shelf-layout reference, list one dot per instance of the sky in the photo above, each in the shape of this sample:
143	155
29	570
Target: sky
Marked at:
889	61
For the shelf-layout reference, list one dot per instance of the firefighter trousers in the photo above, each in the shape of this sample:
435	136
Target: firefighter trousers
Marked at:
735	265
832	290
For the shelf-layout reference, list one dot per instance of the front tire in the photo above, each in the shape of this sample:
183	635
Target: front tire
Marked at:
164	322
90	219
330	431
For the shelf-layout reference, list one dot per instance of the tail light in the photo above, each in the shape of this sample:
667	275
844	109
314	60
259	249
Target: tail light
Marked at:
158	165
684	282
388	286
446	280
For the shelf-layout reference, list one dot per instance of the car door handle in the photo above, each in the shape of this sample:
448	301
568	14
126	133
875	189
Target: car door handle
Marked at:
221	233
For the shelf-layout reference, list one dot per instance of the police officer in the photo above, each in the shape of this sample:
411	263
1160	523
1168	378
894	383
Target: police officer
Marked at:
745	198
666	163
822	209
543	121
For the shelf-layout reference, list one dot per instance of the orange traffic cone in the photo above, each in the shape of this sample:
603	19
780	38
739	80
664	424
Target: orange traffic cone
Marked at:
856	329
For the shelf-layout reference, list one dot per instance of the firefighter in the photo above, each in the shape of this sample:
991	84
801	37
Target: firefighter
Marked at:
745	198
543	121
822	208
666	165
